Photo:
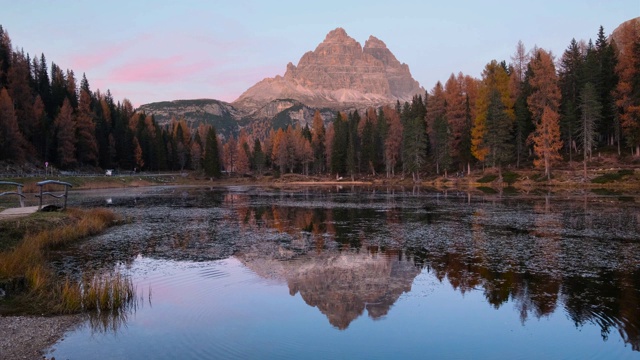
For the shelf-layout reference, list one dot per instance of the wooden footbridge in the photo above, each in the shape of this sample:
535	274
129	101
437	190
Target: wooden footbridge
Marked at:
26	210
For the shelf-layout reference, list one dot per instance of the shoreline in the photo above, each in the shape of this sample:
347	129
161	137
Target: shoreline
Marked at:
28	337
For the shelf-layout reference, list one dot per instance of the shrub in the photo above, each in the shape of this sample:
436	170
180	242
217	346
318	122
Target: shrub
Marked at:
487	178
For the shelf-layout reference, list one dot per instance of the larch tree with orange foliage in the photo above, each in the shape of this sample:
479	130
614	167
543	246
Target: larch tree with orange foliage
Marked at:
65	128
279	152
494	99
230	154
438	127
137	153
11	139
456	112
627	91
392	143
318	135
243	161
543	103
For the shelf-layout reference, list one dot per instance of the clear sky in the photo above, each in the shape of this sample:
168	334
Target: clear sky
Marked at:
160	50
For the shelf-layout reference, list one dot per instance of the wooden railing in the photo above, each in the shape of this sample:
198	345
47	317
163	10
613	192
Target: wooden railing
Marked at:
18	192
66	185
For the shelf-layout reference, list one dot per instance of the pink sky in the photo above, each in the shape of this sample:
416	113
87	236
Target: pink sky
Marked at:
150	51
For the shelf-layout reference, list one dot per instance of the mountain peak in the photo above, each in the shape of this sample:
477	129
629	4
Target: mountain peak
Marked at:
338	74
374	42
337	34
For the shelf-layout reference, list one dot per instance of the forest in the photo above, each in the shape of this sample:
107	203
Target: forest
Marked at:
534	111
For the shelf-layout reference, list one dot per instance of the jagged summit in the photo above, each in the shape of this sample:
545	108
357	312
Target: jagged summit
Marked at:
339	73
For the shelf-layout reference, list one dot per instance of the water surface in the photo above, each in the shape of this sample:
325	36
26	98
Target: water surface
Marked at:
363	273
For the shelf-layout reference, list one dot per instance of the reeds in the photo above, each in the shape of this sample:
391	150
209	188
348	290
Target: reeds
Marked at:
28	260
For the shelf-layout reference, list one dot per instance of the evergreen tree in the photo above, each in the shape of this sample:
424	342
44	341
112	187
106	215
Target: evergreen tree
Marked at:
211	155
258	157
368	154
465	140
591	113
415	137
339	145
5	56
605	86
379	140
353	144
498	136
570	78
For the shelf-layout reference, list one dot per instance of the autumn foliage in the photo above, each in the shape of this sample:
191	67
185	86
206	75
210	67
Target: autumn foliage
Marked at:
522	113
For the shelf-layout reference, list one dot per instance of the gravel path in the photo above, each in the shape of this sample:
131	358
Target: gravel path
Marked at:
26	337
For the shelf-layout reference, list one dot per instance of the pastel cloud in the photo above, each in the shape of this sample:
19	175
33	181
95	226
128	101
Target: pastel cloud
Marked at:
172	69
106	54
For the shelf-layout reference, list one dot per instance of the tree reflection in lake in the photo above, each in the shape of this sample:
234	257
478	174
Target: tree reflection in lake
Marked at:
347	251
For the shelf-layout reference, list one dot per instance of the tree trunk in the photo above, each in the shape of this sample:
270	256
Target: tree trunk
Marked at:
585	166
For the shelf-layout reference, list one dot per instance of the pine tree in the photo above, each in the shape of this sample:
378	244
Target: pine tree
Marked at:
211	155
605	85
353	144
591	113
570	78
339	145
258	156
368	154
415	140
5	56
498	136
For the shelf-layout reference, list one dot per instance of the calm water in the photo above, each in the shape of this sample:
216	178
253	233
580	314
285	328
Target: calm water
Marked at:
367	273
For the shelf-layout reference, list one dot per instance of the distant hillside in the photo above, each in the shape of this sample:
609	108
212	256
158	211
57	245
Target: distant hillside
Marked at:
228	120
220	114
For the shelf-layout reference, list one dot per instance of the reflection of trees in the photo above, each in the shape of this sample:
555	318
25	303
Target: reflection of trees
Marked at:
519	253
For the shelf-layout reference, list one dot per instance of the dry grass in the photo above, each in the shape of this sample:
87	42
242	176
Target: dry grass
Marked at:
28	260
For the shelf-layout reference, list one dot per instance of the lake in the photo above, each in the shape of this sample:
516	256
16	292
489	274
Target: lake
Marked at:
362	273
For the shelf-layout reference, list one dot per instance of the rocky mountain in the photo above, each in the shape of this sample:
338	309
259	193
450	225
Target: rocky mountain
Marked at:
634	24
338	74
220	114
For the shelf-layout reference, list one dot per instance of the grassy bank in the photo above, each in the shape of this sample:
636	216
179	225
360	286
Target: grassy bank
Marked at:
31	285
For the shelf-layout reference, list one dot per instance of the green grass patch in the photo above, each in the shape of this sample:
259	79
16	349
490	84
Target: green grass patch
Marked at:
487	178
612	177
510	177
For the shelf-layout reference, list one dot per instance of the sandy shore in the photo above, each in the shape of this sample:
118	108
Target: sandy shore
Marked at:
27	337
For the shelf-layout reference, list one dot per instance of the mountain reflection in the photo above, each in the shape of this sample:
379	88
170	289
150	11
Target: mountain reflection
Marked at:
541	256
342	284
